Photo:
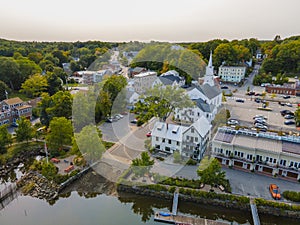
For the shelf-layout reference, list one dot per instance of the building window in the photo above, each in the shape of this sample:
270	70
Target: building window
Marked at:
169	141
196	139
156	138
163	140
177	143
192	130
274	161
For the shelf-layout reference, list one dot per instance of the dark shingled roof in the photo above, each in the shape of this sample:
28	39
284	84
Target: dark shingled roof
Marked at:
203	105
169	79
209	91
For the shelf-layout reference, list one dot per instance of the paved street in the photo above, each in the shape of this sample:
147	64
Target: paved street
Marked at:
256	185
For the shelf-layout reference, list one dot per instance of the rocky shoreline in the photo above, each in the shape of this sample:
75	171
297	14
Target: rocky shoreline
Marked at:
35	185
16	161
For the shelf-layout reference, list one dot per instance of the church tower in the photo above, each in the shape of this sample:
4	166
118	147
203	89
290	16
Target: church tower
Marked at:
209	74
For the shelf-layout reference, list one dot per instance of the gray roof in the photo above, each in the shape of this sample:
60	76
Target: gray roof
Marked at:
209	91
202	126
205	107
169	79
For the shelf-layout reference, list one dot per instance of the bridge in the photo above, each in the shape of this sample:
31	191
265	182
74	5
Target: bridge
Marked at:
254	212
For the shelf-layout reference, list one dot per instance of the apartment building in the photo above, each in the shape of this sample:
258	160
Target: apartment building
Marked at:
266	153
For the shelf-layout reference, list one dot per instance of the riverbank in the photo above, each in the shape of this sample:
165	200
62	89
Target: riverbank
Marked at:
227	201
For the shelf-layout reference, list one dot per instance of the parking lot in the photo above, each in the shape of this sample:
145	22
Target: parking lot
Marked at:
244	112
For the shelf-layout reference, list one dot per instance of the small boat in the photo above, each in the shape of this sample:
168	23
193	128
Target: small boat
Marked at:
164	214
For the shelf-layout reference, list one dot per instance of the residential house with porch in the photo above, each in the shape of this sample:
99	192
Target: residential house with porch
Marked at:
266	153
14	108
190	141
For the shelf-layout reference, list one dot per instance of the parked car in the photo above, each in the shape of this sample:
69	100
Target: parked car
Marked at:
260	126
240	100
149	134
120	115
258	94
262	122
286	96
232	122
289	116
134	121
224	87
289	122
260	117
109	120
250	93
285	112
257	100
289	104
281	103
274	190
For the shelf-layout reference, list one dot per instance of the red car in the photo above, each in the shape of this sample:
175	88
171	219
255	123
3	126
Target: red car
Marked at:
149	134
274	190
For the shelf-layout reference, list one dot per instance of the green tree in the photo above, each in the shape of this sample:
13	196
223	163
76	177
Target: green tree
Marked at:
3	89
5	138
54	83
297	116
161	101
10	72
35	85
58	105
25	131
89	143
212	174
60	134
142	165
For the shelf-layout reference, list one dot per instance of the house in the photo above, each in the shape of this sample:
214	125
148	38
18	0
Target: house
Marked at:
144	81
135	71
266	153
132	97
233	74
188	141
171	78
92	77
13	109
201	108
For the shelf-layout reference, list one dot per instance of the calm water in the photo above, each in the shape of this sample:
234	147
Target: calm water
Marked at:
76	208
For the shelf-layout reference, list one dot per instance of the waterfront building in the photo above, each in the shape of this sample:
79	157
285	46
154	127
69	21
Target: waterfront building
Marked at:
267	153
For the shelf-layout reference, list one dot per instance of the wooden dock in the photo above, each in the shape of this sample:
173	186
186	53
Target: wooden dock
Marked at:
186	220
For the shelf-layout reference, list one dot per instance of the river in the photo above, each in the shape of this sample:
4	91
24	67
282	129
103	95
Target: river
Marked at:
103	206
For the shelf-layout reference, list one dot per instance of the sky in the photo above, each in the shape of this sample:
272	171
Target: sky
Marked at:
160	20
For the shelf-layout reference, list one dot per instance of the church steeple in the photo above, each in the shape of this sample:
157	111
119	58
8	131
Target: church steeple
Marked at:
209	75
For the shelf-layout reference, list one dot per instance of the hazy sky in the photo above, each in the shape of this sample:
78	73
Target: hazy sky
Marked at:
164	20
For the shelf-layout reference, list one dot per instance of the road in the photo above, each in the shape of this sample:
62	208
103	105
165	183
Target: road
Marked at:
130	144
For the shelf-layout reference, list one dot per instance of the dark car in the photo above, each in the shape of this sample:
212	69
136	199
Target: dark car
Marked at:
258	100
285	112
250	93
281	103
134	121
240	100
224	87
286	96
289	122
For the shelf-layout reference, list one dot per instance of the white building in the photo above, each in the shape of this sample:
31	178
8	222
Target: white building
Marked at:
234	74
144	81
189	141
265	153
92	77
201	108
171	78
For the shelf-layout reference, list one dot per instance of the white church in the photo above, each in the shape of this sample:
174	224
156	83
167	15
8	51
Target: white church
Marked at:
207	98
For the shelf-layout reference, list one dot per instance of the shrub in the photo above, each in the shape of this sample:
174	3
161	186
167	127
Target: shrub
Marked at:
292	195
280	205
191	162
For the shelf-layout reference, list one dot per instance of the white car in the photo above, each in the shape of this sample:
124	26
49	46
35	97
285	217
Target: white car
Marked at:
289	104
